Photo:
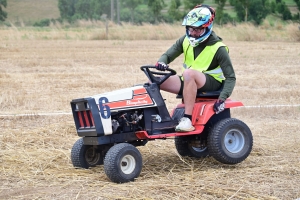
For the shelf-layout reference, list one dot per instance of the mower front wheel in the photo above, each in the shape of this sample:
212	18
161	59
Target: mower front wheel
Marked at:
85	156
123	163
230	141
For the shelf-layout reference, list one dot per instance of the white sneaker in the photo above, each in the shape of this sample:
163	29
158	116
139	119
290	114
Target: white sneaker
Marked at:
185	125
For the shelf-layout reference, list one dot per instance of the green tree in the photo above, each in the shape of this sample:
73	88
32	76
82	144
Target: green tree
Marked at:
131	4
190	4
283	9
287	15
298	3
241	7
83	9
273	7
104	7
66	8
258	10
174	12
3	14
297	16
142	14
255	10
220	11
156	6
178	3
98	9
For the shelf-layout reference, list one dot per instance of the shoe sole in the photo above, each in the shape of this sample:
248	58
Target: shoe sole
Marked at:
185	130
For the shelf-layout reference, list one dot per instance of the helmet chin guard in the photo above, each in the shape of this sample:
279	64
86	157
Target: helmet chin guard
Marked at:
196	41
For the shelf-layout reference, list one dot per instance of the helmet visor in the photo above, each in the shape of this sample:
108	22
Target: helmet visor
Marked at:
195	29
195	32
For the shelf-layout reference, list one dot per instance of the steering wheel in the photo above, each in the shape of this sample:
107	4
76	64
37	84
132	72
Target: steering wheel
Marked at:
157	77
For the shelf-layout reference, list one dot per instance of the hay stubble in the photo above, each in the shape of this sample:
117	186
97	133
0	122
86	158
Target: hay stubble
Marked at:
43	76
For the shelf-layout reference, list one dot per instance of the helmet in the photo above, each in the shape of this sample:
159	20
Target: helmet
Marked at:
200	16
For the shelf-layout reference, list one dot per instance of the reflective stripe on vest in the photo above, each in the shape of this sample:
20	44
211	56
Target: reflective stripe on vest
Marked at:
203	60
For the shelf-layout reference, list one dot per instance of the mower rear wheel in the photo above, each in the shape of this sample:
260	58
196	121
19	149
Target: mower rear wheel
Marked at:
230	141
85	156
123	163
192	146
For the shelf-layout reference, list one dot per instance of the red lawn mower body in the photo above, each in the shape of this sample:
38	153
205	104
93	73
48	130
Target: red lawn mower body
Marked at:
111	125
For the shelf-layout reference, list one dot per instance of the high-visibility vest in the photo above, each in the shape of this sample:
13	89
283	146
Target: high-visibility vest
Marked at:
203	60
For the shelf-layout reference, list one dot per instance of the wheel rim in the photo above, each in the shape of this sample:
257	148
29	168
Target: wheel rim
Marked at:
198	145
201	149
234	141
91	156
127	164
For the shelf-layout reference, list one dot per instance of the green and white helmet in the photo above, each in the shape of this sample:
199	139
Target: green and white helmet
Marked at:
200	16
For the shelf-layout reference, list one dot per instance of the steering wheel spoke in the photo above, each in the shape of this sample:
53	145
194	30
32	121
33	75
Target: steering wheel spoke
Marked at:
155	76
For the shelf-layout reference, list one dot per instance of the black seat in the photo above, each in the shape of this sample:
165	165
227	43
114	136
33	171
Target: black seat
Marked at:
208	94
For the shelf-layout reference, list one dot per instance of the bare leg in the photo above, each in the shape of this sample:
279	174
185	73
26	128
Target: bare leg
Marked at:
192	81
172	84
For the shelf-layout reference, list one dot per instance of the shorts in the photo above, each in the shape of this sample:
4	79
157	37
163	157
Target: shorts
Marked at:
211	84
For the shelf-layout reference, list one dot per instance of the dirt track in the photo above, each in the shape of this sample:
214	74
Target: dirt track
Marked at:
41	76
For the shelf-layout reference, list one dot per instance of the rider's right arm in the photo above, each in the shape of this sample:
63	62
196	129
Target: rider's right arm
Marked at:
173	52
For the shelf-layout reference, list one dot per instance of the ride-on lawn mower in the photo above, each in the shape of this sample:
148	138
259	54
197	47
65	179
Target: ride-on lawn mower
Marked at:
112	124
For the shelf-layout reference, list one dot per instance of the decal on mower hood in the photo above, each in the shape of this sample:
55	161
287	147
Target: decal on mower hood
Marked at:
133	97
138	100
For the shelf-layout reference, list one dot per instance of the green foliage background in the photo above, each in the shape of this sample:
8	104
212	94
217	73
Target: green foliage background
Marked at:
155	11
151	11
3	14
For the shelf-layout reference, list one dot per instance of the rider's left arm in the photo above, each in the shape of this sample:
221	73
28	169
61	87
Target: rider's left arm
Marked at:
224	61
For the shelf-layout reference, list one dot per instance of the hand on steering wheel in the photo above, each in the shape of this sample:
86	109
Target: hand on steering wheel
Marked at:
161	66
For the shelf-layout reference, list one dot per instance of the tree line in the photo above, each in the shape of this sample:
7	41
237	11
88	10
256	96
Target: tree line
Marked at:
155	11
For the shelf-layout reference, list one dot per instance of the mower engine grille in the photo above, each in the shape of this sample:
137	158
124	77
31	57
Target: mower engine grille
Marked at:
85	119
84	114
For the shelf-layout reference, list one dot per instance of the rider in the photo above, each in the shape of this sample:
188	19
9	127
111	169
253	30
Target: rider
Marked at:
206	65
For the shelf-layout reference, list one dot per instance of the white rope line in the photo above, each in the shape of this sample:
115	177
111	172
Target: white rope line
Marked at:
271	106
35	114
69	113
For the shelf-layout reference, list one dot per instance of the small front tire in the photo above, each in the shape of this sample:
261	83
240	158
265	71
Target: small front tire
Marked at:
123	163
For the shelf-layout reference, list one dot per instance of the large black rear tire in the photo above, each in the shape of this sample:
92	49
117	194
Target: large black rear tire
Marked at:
123	163
230	141
85	156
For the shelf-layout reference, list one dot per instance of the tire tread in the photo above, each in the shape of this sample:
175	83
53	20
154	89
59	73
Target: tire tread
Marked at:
215	141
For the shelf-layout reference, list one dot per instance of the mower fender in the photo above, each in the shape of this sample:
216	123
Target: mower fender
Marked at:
203	111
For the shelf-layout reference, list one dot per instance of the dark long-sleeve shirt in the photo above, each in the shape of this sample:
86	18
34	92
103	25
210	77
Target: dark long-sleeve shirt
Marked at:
221	58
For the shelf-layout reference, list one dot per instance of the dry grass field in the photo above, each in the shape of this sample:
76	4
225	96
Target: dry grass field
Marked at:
42	71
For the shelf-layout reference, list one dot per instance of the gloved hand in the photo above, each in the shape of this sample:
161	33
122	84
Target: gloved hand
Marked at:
161	66
219	106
